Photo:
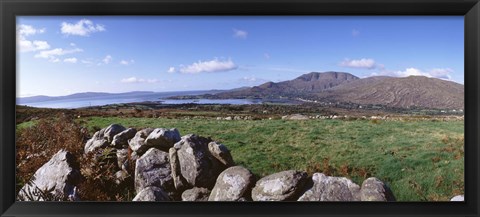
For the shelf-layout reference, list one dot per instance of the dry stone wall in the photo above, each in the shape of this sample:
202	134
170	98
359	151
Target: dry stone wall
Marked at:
169	167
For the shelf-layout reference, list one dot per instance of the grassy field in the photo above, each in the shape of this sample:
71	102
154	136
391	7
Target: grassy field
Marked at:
420	160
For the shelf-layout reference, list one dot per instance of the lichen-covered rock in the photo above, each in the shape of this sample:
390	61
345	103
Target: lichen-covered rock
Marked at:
197	166
153	169
111	131
121	139
328	188
138	141
196	194
96	142
282	186
55	180
232	184
162	139
152	194
221	153
375	190
179	182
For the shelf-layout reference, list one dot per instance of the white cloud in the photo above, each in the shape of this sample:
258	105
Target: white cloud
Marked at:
25	45
107	59
237	33
73	44
214	65
28	46
54	60
82	28
171	70
360	63
355	32
26	30
127	62
52	54
41	45
138	80
70	60
441	73
252	79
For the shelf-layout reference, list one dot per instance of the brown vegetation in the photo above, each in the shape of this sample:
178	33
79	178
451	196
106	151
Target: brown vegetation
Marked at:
36	145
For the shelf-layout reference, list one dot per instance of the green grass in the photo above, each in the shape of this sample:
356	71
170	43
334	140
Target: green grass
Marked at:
419	160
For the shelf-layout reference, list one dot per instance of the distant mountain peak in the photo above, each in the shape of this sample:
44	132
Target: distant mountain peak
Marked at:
329	75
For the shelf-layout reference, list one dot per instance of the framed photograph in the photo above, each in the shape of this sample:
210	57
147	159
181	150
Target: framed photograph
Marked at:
239	108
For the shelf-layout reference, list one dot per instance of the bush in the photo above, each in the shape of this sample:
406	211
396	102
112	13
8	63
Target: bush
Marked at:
37	144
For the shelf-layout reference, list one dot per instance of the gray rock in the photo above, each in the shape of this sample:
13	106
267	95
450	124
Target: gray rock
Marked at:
295	117
458	198
138	141
282	186
152	194
96	142
55	180
121	140
232	184
162	139
196	194
221	153
179	182
111	131
328	188
153	169
197	166
122	158
375	190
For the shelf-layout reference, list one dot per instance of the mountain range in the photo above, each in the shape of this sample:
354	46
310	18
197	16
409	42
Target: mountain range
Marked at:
400	92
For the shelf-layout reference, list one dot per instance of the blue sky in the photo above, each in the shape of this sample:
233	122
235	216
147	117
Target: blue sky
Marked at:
65	55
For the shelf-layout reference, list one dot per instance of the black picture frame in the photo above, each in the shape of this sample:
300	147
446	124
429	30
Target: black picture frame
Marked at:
9	9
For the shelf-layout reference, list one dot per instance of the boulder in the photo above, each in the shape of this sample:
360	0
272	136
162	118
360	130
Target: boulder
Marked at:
152	194
458	198
111	131
96	142
232	184
282	186
196	194
121	140
55	180
221	153
375	190
162	139
197	166
328	188
179	182
138	141
153	169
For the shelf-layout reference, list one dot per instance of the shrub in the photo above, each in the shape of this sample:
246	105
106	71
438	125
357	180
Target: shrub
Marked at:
35	145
